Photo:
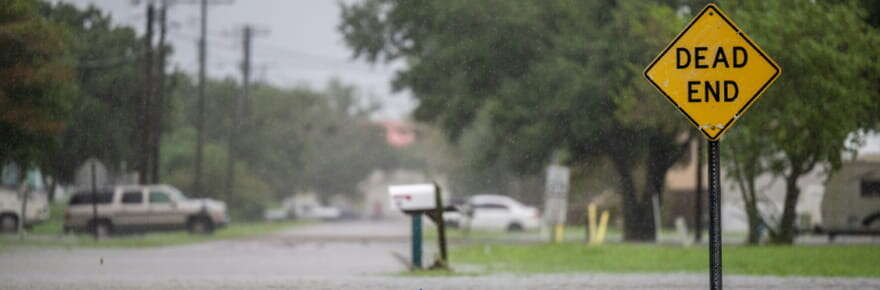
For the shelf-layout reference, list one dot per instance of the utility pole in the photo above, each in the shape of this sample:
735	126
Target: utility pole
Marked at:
200	115
237	107
144	106
151	106
240	107
161	90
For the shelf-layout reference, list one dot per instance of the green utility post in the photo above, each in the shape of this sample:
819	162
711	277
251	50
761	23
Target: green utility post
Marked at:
417	240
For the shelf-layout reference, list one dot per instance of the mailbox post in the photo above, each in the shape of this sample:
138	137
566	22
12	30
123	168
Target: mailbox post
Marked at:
415	200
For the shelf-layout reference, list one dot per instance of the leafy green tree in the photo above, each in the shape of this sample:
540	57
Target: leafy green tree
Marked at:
251	193
551	75
744	156
102	117
292	140
827	92
35	83
341	146
650	138
478	170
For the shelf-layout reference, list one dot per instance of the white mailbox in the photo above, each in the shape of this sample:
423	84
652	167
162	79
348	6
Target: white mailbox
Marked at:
413	197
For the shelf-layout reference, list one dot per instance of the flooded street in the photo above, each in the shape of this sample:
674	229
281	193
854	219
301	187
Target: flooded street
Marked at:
355	248
349	255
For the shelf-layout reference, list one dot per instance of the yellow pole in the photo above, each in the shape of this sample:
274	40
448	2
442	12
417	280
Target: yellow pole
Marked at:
603	225
591	221
558	233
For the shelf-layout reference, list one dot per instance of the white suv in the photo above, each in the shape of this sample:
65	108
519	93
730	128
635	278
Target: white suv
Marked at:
141	208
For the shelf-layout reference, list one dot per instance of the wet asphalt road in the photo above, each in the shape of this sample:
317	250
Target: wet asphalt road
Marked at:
353	255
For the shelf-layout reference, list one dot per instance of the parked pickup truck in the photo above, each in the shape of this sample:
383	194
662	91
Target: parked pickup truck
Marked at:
142	208
37	209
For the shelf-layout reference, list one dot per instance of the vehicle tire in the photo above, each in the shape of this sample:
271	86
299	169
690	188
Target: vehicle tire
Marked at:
200	225
515	227
8	223
101	228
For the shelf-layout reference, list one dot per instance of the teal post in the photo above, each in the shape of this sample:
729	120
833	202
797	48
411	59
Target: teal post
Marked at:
417	240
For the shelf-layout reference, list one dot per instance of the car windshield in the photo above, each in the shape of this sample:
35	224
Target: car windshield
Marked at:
176	194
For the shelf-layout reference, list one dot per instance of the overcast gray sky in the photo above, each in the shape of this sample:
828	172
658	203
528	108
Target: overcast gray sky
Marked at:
301	46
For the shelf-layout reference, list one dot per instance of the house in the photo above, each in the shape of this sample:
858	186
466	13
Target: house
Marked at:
679	198
852	198
399	134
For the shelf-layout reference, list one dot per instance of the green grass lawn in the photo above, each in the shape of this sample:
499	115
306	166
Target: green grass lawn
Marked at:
572	233
55	223
831	261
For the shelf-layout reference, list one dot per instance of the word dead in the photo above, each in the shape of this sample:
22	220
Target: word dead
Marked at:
701	57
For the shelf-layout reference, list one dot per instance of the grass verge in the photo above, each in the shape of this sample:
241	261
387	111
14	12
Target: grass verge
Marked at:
828	261
45	238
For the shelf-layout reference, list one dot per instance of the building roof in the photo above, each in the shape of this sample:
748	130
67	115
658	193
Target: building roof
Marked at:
398	133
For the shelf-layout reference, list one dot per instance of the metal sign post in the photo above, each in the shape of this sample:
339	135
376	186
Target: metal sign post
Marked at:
712	73
714	217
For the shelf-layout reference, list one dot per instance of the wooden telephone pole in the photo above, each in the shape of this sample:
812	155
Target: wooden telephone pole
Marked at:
146	101
240	107
200	116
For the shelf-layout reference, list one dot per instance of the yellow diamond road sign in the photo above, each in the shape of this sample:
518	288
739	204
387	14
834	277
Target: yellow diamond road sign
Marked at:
712	72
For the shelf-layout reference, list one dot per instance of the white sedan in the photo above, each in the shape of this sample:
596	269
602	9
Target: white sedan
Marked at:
494	212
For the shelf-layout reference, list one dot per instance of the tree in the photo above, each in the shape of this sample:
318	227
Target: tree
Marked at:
35	83
827	92
294	140
103	120
745	158
551	75
651	138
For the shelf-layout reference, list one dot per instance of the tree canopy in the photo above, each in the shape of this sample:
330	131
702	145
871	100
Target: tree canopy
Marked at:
827	93
548	75
102	121
534	78
36	79
293	140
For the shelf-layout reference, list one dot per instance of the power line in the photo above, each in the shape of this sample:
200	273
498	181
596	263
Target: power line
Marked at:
316	62
214	42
